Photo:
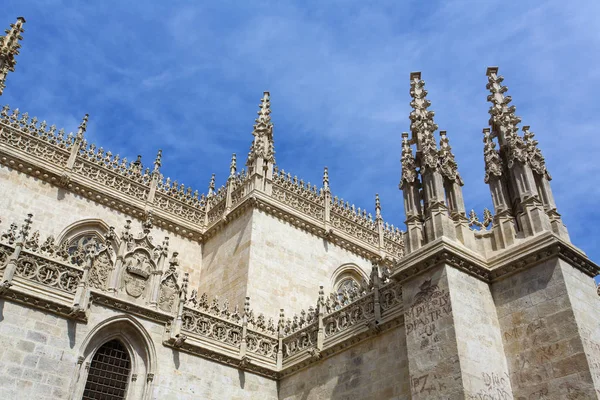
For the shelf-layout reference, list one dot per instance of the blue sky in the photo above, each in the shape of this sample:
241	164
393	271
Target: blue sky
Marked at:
187	77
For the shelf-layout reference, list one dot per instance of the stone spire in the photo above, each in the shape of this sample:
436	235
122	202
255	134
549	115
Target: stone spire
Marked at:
262	146
261	157
437	221
410	186
233	166
158	161
82	127
523	185
422	124
447	162
9	49
326	179
377	208
211	186
493	163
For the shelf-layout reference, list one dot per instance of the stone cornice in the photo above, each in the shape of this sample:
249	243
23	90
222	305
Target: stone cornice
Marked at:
525	255
107	300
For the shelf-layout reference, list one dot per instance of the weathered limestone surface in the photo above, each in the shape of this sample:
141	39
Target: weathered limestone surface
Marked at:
55	210
374	369
431	339
226	258
39	352
482	361
584	301
294	263
542	342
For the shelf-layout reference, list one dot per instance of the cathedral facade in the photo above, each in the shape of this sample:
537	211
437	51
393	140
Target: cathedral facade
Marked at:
117	283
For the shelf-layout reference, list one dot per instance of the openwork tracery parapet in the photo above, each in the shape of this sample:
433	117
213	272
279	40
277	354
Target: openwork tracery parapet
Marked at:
68	160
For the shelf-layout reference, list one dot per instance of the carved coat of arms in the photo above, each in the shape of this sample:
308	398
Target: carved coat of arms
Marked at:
137	272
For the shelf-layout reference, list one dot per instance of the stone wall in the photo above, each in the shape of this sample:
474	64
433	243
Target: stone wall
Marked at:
287	265
225	264
581	290
374	369
543	347
54	209
482	362
431	340
39	353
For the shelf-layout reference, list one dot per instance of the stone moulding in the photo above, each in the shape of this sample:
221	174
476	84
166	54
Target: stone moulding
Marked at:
41	153
521	257
108	300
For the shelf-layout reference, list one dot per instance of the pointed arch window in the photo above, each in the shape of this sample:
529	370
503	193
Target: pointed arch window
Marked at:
108	373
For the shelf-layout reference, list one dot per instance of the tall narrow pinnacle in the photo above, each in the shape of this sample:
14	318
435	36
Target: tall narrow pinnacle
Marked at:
502	116
262	145
422	124
503	119
211	186
326	179
447	162
9	49
82	127
377	207
409	166
534	154
264	113
158	161
493	163
233	166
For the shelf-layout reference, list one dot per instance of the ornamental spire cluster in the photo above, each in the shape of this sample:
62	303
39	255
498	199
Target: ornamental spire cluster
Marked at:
262	145
422	124
9	49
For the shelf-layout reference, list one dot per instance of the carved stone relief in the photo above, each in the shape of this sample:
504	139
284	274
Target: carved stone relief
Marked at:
138	267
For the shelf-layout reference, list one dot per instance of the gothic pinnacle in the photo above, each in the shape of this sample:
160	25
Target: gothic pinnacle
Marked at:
264	113
326	179
502	116
409	167
82	127
447	162
422	124
233	166
211	186
534	154
9	49
493	163
377	207
158	161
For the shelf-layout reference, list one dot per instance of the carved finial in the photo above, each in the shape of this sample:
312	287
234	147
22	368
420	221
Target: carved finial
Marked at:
447	162
262	146
326	179
264	112
377	207
158	161
503	119
26	227
493	163
211	186
422	124
233	166
9	49
534	154
82	127
409	166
